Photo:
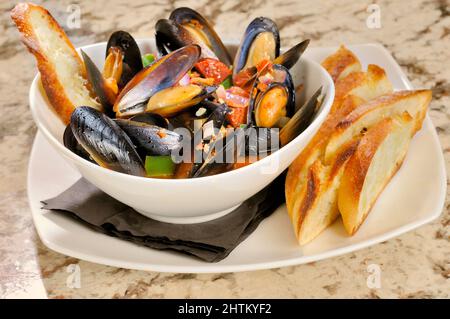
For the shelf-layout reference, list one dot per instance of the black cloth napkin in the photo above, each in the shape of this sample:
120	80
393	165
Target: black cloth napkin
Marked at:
210	241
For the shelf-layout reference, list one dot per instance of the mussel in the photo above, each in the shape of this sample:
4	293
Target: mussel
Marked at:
186	26
301	119
171	101
261	140
273	97
218	112
162	74
151	139
261	41
129	53
221	154
72	144
105	94
105	141
289	58
151	119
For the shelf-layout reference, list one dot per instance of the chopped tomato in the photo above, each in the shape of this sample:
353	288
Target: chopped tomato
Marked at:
211	68
237	116
234	96
244	77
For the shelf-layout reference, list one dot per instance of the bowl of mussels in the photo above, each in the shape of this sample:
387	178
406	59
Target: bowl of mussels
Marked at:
187	127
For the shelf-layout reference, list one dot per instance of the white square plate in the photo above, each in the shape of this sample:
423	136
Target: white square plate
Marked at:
414	197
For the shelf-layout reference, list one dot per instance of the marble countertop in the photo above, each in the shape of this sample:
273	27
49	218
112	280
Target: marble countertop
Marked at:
414	265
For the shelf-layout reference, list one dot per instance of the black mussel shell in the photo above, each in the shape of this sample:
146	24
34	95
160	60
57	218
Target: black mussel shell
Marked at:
72	144
97	81
301	119
151	139
132	59
281	77
186	16
222	154
105	141
261	140
289	58
151	119
254	29
218	112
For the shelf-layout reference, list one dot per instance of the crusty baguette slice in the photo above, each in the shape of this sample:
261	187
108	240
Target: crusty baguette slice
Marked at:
317	207
341	63
368	114
351	91
376	159
311	186
366	85
63	74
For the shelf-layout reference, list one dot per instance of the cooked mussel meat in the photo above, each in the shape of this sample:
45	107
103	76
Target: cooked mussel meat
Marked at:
129	53
105	141
162	74
173	100
261	41
273	98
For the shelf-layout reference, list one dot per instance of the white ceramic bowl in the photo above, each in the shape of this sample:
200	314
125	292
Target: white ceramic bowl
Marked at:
186	200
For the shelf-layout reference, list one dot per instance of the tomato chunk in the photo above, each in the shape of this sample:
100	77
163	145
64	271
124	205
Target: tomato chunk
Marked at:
237	116
211	68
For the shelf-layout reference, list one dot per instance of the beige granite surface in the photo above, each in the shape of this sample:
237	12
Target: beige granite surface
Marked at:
416	264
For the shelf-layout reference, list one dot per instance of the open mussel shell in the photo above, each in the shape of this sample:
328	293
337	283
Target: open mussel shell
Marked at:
276	102
151	119
105	141
301	119
151	139
218	112
96	81
261	41
173	100
72	144
261	140
201	31
216	158
131	55
162	74
289	58
168	36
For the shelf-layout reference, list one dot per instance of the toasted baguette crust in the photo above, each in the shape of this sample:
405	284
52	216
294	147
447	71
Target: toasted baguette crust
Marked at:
27	16
318	207
311	186
341	63
366	85
362	182
388	105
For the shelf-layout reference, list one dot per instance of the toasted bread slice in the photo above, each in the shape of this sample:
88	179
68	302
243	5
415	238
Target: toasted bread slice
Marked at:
351	91
376	159
341	63
368	114
317	207
63	74
311	186
366	85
